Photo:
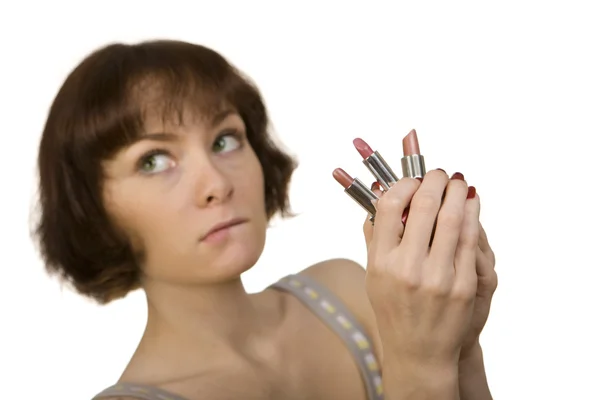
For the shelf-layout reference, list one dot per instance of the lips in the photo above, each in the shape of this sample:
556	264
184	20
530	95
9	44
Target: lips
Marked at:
224	225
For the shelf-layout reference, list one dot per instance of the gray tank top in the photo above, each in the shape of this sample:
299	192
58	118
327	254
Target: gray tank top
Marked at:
328	308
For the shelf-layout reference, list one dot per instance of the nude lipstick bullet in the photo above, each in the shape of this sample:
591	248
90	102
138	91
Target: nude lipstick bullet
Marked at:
413	163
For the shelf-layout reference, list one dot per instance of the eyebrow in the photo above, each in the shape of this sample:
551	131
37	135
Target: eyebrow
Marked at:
172	137
158	136
221	116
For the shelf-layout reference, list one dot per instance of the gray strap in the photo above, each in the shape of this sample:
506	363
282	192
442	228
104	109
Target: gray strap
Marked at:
328	308
336	316
142	392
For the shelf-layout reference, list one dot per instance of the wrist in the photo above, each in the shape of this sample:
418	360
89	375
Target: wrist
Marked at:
410	380
471	363
471	354
472	376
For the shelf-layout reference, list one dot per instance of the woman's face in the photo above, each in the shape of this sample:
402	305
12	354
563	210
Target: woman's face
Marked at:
176	184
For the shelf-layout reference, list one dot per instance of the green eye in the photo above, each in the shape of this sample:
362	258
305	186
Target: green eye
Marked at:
219	144
227	143
154	163
149	164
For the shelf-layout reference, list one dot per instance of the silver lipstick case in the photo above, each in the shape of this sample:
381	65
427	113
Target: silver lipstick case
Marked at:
363	196
413	166
380	170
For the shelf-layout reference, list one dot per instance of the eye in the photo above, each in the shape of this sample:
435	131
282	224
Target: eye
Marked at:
227	142
154	162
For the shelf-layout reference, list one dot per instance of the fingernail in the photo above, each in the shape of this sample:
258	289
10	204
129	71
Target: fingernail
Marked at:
375	186
458	175
439	169
405	216
471	192
419	179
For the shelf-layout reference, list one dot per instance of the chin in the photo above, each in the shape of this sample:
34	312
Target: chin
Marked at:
237	256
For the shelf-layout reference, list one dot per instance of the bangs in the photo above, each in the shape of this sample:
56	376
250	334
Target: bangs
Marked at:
181	93
164	81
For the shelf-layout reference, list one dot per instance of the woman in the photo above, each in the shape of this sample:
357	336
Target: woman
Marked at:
157	172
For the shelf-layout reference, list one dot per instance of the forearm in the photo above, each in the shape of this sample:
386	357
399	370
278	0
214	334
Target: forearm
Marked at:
471	377
410	382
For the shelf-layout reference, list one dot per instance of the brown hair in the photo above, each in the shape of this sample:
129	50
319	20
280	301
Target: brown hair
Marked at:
99	110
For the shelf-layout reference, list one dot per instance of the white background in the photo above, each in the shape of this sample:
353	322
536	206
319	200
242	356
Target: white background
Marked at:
508	94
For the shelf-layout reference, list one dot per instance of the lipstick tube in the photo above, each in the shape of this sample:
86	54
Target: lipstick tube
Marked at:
358	191
362	195
376	164
380	170
413	163
413	166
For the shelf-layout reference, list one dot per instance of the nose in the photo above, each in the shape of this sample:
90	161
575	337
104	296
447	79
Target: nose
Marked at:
213	187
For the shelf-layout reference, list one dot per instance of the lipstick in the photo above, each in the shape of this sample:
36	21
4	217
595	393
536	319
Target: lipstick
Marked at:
376	164
413	163
357	191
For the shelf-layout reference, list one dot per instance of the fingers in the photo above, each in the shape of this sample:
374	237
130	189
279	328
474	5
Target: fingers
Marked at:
484	244
450	220
424	209
486	275
368	224
486	261
388	227
468	244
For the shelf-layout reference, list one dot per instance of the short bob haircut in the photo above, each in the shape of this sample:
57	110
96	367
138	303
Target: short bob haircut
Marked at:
100	109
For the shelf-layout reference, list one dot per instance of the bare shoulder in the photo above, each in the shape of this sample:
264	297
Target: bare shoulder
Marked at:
346	279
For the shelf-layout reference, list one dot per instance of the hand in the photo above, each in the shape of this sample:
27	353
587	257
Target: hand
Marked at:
422	296
487	282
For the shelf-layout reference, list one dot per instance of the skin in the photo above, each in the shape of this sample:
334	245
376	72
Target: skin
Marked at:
204	172
446	286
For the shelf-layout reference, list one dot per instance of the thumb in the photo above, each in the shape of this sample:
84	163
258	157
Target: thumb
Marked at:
368	224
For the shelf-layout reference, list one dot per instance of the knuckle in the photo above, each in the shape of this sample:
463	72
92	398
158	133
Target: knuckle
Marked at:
437	288
403	189
407	279
451	218
464	293
407	184
492	257
494	282
391	202
426	203
470	240
403	273
376	264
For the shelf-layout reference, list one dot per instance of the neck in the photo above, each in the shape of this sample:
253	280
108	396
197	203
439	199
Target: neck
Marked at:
208	321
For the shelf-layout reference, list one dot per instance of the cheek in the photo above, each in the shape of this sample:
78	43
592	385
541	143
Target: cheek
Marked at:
253	180
136	215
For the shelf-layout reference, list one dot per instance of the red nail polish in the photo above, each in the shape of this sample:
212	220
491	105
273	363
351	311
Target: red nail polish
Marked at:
405	216
419	179
471	192
375	185
458	175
